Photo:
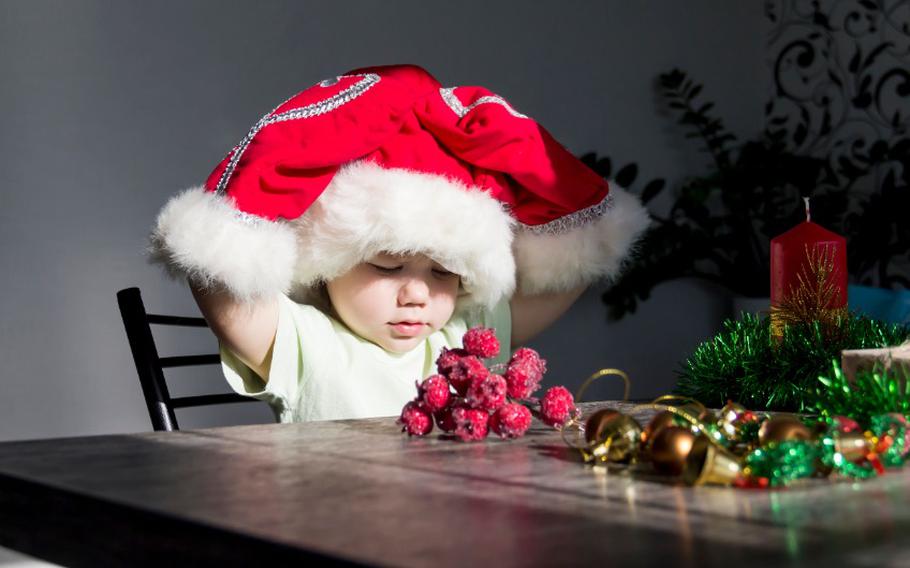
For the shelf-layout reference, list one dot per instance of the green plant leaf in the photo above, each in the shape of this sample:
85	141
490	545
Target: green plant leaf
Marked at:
652	190
626	175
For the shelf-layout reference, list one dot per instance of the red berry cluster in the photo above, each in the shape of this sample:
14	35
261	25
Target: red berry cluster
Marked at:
468	400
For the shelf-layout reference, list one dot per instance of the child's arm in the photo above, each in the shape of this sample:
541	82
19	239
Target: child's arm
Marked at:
246	328
533	314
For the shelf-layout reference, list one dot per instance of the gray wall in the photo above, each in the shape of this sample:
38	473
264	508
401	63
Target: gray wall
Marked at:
108	108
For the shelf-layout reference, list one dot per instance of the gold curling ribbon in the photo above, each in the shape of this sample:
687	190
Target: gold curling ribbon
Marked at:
603	448
602	373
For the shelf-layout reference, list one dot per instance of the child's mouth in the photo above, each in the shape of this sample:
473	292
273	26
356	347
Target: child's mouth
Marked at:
407	328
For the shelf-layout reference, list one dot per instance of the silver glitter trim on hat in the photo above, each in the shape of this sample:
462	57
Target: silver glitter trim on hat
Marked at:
313	109
448	95
573	220
248	218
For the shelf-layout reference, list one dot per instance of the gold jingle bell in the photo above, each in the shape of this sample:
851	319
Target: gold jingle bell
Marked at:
852	445
595	424
730	420
660	421
697	410
669	448
688	413
708	464
782	428
612	436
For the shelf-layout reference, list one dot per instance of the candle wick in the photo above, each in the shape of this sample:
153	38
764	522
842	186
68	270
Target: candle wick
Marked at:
808	213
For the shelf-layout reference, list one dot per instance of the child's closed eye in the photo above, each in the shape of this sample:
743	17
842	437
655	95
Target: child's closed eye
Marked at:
385	269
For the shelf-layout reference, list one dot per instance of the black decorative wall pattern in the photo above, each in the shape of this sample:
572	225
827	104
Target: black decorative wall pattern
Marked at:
841	91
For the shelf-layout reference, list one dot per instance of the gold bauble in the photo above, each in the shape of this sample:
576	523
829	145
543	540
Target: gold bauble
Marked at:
669	448
781	428
660	421
612	436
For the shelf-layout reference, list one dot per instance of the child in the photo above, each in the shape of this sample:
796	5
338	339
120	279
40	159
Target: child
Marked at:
369	221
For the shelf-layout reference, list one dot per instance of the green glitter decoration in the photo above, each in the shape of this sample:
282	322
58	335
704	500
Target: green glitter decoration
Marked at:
783	462
744	363
880	425
749	431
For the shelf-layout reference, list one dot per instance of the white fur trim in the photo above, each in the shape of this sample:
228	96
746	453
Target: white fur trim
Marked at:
368	209
555	263
201	236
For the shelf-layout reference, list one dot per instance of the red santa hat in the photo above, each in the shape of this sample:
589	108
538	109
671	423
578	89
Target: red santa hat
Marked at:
385	159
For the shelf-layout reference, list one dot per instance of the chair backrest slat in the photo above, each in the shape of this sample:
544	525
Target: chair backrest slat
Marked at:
150	366
158	319
207	399
189	360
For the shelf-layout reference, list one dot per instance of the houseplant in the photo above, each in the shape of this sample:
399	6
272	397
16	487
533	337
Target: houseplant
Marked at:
720	223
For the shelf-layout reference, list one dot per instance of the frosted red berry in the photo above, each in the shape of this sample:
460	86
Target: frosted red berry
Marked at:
510	421
524	373
448	358
480	401
467	370
557	406
481	342
415	419
445	420
487	393
470	423
529	357
434	393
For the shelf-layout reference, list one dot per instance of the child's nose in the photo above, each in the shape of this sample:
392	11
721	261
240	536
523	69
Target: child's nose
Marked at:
413	291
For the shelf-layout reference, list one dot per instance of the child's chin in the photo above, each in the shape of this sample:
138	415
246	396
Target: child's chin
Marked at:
401	345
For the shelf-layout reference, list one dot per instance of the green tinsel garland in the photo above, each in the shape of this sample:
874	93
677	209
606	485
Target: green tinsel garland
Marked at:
745	364
870	394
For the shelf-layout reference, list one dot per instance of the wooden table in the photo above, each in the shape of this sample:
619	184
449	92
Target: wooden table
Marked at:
360	492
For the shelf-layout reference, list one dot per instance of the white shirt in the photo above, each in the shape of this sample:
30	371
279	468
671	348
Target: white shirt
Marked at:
321	370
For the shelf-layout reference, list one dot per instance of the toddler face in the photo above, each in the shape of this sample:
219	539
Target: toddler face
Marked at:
395	301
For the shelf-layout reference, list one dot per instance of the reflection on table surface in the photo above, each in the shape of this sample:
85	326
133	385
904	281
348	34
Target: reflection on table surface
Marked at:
360	490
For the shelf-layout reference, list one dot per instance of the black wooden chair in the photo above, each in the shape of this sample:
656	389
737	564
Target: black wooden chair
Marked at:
151	367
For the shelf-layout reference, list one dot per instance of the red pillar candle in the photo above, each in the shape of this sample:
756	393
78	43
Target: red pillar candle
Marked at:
789	260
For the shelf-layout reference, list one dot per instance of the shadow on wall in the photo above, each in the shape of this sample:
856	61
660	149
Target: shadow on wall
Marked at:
664	331
12	559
